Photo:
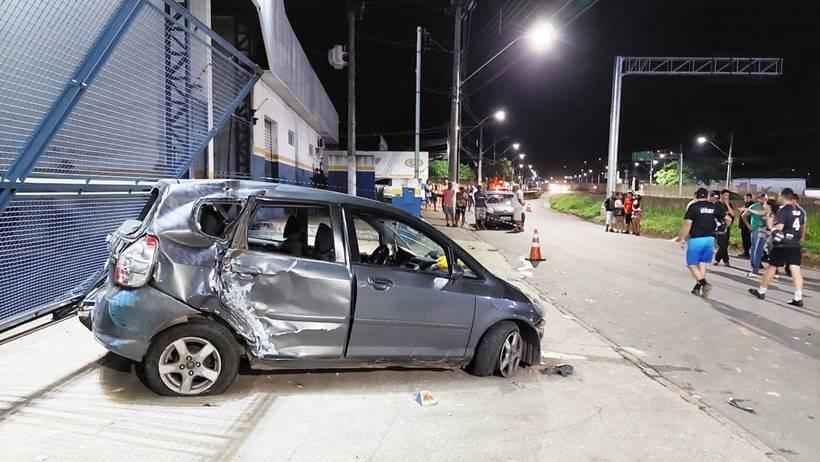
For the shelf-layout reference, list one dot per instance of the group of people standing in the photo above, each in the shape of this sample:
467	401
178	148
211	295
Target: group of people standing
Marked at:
623	213
455	202
775	231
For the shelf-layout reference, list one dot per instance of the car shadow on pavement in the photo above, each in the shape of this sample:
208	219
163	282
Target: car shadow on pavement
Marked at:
118	382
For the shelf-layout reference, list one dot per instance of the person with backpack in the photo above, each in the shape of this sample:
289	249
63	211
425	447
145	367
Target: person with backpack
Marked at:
787	228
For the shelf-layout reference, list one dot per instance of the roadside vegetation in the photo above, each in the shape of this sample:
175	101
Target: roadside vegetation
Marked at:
662	218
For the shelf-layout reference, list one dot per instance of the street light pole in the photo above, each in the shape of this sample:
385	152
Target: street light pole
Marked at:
729	161
351	101
680	172
480	150
418	101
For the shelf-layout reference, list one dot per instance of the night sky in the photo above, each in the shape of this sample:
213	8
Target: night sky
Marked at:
558	102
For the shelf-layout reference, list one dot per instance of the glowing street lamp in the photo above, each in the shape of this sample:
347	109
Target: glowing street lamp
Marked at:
542	36
500	115
729	160
516	146
522	156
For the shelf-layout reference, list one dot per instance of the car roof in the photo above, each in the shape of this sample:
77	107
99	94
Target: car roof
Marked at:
193	190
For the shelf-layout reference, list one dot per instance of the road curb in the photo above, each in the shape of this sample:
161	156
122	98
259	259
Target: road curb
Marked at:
648	370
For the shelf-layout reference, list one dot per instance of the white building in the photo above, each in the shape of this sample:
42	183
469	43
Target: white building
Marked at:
279	131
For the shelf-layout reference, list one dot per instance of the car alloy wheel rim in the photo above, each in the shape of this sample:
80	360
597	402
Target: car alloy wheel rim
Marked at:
511	353
190	365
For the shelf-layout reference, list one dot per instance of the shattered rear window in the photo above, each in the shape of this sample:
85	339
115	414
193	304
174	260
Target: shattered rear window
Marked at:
216	218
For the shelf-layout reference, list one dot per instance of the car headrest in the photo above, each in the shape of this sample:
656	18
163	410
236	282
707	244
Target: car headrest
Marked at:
323	244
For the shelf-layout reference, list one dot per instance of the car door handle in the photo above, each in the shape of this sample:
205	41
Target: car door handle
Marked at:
380	283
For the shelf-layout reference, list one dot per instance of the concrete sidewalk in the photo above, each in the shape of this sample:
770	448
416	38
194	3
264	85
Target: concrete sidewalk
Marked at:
63	399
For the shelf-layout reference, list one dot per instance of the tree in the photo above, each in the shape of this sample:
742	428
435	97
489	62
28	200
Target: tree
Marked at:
504	169
669	174
438	169
466	173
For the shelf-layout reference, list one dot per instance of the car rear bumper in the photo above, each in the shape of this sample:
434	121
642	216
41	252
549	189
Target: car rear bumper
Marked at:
125	320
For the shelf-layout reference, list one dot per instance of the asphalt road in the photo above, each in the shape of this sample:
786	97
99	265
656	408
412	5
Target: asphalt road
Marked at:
635	292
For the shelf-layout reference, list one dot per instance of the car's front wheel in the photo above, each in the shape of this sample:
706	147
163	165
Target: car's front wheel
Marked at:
500	351
191	359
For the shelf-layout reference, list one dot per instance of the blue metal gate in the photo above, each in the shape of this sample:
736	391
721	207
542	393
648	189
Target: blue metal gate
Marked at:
98	99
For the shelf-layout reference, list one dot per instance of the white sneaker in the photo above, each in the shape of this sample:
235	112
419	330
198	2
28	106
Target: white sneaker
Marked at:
752	275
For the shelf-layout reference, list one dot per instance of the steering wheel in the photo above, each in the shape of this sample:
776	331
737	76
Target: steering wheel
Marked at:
380	255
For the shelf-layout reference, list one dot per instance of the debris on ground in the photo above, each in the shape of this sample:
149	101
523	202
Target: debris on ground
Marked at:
425	398
209	405
562	369
738	404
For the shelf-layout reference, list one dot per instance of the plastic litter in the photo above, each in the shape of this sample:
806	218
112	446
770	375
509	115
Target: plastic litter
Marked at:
425	398
737	403
562	369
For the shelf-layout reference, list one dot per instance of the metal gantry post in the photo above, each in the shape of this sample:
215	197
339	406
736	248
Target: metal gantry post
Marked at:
614	124
732	66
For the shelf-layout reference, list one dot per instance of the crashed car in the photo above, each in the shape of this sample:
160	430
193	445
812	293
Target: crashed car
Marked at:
288	277
501	207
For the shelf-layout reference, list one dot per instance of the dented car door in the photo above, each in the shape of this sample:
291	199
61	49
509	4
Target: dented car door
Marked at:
285	277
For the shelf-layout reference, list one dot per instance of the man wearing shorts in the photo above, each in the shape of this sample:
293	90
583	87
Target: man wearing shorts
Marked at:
448	203
698	233
628	201
787	226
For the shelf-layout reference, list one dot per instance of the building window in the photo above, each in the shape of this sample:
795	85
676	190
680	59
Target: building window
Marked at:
271	131
291	137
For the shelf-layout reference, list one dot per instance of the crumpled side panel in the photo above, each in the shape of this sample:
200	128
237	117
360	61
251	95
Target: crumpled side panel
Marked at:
296	308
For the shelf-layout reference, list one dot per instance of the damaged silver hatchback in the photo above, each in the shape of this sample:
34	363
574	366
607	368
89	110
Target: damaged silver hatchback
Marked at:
215	271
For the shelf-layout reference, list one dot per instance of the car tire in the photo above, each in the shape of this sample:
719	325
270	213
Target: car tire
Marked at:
199	358
489	355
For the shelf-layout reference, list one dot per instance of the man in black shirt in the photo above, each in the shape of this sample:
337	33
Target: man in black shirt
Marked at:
745	230
722	234
698	234
787	227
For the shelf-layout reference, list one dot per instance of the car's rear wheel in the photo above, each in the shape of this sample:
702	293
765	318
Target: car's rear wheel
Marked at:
500	351
191	359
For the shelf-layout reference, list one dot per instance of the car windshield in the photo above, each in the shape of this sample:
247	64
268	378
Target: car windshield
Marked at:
499	199
416	243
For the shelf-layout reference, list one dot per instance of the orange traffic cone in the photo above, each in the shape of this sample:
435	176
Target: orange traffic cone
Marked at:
535	249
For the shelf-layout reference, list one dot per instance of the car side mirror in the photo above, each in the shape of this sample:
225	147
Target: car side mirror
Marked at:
458	273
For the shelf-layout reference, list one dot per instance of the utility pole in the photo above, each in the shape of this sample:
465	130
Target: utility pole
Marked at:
729	161
680	171
480	150
456	92
351	100
418	100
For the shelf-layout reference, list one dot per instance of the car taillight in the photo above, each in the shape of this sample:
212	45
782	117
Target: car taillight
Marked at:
136	262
